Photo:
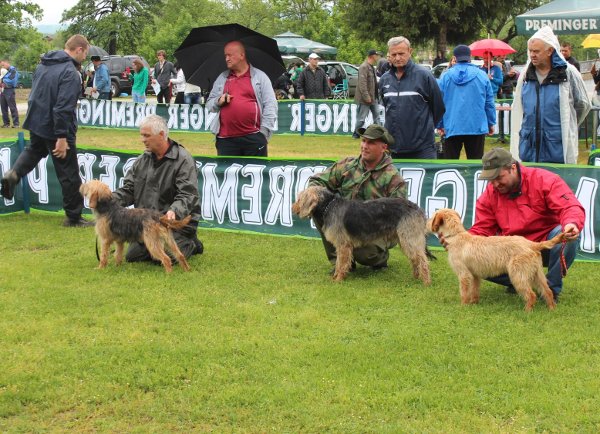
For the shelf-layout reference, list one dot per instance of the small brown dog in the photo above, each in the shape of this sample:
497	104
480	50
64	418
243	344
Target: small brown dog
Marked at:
348	224
116	224
473	257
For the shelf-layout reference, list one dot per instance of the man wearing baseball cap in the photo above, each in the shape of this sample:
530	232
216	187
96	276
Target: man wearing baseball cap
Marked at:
371	175
312	83
530	202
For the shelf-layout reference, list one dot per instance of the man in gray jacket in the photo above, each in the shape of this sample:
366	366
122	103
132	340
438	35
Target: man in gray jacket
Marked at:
366	92
163	178
246	107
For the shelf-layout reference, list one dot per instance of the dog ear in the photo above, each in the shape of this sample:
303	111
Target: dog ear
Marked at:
438	220
94	200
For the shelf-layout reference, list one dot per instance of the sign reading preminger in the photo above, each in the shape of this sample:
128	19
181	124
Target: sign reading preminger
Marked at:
590	25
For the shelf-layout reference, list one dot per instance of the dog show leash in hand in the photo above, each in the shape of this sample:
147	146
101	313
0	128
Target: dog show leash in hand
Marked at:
563	261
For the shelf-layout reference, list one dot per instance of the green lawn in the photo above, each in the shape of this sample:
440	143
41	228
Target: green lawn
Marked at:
257	338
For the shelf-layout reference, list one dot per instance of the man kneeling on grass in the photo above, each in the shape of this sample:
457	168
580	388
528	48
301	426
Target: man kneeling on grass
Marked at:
163	178
371	175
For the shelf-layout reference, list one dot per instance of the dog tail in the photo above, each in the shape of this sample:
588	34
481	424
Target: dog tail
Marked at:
175	224
548	244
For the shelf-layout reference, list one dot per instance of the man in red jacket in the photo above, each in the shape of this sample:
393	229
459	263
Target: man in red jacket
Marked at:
531	202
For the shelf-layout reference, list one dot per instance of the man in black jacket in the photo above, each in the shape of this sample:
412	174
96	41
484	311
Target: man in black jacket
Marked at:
312	82
52	122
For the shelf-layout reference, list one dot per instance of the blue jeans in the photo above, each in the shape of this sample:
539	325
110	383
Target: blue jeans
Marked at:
138	97
551	259
192	98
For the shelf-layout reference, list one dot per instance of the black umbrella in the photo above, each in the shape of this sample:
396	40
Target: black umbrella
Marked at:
96	51
201	56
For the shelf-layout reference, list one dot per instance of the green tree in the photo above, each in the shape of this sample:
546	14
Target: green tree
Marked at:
32	46
14	18
116	25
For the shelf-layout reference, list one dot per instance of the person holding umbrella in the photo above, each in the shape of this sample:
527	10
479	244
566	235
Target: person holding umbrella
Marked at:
550	102
246	107
493	71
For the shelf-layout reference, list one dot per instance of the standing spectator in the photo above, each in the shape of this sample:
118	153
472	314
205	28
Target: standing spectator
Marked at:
9	83
101	79
139	77
413	103
383	65
470	109
509	78
245	104
440	58
366	92
163	72
530	202
550	102
493	72
565	49
179	84
312	82
165	179
52	122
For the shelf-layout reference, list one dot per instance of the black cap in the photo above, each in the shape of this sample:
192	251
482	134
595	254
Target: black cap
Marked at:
376	132
462	53
95	58
373	52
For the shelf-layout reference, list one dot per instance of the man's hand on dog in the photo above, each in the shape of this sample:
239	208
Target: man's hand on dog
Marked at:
443	241
61	148
170	215
571	232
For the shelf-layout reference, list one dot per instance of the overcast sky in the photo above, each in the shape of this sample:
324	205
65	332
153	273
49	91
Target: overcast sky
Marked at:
53	10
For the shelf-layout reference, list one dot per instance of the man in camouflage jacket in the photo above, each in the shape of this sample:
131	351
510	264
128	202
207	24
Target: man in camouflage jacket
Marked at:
370	176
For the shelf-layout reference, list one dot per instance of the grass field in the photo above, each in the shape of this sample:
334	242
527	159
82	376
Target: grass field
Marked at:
257	338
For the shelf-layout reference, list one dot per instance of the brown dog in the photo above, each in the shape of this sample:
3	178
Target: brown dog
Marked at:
474	257
348	224
115	224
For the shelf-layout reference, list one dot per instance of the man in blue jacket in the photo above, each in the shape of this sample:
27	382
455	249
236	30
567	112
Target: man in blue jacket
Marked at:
7	97
52	122
413	103
101	79
470	109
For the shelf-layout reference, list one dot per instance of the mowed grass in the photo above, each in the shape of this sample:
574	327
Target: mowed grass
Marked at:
257	338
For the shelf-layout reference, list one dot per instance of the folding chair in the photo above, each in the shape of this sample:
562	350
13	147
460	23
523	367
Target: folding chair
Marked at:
340	91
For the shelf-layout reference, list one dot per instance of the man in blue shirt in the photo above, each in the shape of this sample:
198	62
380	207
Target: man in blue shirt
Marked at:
101	79
7	97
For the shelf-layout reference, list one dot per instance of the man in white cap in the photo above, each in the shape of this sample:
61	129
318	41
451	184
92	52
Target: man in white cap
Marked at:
312	83
542	130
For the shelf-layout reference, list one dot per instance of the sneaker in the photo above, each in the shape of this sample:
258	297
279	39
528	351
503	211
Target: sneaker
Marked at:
16	126
5	126
9	183
199	247
78	223
379	267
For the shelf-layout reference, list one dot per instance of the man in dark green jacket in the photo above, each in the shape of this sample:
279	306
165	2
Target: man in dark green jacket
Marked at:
163	178
371	175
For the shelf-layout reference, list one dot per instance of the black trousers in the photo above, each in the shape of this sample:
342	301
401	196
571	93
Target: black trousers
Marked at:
252	145
8	102
164	94
67	171
473	147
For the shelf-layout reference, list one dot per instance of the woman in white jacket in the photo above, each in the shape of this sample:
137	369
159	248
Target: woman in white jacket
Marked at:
179	85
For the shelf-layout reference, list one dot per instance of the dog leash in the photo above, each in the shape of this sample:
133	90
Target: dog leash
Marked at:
97	254
563	261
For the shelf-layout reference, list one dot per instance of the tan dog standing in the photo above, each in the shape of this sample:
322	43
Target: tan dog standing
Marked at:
473	257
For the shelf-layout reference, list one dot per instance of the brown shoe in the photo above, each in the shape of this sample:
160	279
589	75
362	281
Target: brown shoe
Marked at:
78	223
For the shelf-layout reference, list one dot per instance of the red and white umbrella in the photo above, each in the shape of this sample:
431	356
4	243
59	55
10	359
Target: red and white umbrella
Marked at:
494	47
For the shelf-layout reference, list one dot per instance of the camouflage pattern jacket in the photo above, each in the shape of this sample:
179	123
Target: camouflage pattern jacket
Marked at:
350	179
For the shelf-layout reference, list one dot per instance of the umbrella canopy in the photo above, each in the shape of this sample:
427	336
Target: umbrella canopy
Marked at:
592	41
96	51
201	56
565	17
291	43
493	46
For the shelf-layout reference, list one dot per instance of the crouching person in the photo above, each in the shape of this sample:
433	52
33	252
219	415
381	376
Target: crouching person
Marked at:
371	175
163	178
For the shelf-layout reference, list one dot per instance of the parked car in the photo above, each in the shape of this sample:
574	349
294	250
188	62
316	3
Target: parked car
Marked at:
25	80
336	72
119	68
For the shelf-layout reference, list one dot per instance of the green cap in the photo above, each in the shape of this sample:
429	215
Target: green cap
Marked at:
376	132
493	161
